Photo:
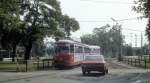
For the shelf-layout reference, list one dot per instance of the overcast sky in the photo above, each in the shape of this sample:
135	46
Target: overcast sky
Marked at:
97	13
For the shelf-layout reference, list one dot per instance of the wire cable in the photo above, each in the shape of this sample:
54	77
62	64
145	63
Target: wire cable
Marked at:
120	20
107	2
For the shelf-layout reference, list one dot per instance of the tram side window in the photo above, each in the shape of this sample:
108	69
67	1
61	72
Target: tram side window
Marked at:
71	48
79	49
62	49
87	50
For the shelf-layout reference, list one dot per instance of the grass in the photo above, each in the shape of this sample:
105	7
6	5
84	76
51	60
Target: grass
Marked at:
21	66
13	66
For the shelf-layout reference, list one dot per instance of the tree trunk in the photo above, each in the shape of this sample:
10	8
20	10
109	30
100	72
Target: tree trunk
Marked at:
14	53
28	51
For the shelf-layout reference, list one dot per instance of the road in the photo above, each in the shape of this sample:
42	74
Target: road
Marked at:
118	73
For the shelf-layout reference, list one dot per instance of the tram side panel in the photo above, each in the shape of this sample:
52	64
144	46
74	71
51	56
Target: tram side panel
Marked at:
78	55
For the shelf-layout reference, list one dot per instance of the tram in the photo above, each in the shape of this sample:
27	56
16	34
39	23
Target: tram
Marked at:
69	53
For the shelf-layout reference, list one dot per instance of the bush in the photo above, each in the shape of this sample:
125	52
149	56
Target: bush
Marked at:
1	59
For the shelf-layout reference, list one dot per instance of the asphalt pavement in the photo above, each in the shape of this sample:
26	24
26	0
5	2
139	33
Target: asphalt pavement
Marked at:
118	73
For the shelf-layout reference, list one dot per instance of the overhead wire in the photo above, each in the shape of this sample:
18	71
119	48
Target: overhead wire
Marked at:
120	20
128	19
133	30
134	18
107	2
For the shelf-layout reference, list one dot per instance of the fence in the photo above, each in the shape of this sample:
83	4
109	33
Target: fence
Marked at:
24	66
138	61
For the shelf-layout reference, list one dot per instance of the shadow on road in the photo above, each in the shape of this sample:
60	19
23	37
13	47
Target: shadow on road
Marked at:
93	75
66	68
80	77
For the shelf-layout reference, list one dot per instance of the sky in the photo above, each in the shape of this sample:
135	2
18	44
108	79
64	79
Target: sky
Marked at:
97	13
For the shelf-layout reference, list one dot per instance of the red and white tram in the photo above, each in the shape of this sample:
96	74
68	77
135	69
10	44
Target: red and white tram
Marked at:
70	53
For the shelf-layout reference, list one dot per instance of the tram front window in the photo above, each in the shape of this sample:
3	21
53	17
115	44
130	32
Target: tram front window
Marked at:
94	58
62	49
95	51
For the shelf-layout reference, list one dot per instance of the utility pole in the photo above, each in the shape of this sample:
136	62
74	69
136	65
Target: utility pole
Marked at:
131	39
141	44
135	45
120	43
132	51
135	40
141	40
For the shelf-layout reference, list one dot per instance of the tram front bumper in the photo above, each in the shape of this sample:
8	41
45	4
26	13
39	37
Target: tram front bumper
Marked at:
61	64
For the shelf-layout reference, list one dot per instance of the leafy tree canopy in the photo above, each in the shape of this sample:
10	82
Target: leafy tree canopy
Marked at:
143	6
28	21
109	40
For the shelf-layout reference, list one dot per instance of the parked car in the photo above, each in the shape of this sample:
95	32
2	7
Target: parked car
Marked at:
94	63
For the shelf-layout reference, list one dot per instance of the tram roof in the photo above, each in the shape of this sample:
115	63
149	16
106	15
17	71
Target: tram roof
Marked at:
94	46
68	41
72	42
75	42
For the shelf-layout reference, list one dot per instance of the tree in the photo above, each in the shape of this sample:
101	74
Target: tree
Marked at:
42	18
69	24
39	49
88	39
8	15
10	40
108	39
127	50
143	6
9	22
26	22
